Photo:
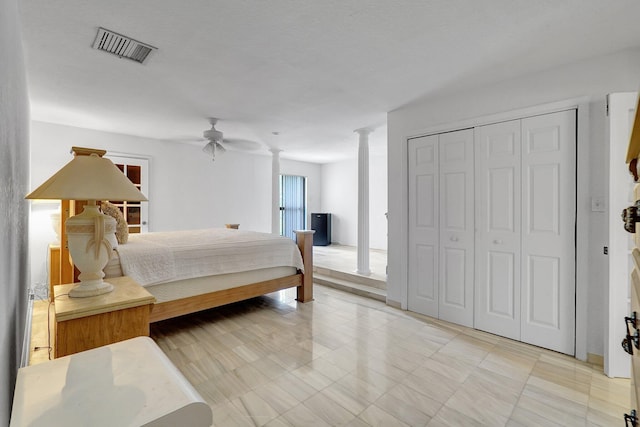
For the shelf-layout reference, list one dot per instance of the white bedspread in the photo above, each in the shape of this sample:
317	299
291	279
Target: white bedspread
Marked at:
162	257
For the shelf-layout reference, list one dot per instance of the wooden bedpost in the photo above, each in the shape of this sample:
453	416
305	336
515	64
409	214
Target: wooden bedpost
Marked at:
305	244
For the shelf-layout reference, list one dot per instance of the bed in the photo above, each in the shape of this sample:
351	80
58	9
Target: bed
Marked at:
193	270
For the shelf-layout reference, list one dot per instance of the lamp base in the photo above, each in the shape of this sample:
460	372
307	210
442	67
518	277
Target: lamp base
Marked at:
84	289
91	239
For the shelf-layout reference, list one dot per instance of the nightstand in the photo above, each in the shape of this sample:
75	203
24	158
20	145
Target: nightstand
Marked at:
86	323
54	267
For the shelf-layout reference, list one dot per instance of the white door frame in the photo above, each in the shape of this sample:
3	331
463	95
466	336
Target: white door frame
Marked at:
582	195
618	296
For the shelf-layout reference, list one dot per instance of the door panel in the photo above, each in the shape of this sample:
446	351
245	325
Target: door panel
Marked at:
548	232
501	209
542	294
427	288
423	223
497	243
500	296
454	278
544	197
456	227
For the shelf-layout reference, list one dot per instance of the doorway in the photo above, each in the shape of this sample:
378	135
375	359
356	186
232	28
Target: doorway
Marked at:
293	204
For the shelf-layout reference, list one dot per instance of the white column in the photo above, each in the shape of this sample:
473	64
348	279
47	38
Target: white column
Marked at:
363	202
275	190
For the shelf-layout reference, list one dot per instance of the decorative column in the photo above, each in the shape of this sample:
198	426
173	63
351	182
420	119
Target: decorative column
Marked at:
275	190
363	201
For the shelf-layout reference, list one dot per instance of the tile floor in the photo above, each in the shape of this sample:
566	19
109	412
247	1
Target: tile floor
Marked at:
348	360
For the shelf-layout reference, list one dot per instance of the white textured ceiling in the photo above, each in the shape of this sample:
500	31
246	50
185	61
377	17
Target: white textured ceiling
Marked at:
312	70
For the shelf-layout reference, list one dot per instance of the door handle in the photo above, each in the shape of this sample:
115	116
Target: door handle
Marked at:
497	241
453	238
631	420
630	216
631	340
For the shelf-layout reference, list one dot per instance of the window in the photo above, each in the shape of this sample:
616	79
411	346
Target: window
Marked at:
293	204
137	170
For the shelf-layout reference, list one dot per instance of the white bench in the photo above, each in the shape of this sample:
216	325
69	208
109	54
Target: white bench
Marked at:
129	383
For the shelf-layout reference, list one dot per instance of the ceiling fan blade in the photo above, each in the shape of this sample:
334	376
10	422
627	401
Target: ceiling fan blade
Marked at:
242	144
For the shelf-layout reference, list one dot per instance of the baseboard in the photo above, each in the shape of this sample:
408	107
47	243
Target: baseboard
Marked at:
394	304
595	359
26	339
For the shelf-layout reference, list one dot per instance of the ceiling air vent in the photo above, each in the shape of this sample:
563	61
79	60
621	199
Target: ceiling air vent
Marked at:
122	46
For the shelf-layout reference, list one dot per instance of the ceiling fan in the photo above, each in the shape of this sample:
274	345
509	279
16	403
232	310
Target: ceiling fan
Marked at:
218	144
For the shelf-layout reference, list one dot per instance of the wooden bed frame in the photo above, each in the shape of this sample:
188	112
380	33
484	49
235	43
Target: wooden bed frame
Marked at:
179	307
303	282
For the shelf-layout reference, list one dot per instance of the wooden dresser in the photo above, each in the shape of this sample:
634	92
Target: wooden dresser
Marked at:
631	217
631	345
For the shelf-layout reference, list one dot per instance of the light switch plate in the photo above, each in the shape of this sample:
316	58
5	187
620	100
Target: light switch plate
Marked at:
597	204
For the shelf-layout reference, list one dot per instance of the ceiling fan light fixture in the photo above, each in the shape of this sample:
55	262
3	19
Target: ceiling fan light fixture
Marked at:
212	147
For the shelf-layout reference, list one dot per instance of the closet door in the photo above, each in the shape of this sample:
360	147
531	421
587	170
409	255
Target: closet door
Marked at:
497	277
456	227
548	230
423	225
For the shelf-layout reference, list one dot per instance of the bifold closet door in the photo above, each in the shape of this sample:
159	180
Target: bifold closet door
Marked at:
525	239
456	227
548	230
422	290
497	281
441	226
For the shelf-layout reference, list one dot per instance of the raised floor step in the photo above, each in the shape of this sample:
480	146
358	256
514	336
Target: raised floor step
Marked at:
348	286
370	281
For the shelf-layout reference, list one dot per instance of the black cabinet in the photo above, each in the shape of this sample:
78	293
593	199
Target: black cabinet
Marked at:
321	223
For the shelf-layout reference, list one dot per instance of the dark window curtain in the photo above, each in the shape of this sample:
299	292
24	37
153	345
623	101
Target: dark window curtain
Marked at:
292	204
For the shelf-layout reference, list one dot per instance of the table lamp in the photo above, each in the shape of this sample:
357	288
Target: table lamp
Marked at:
91	234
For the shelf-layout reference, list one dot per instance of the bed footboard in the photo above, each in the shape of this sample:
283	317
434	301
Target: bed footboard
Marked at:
305	244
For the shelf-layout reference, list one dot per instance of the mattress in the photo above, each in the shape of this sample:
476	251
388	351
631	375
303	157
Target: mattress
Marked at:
161	257
201	285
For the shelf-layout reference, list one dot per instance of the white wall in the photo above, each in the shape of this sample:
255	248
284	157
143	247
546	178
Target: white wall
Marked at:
340	198
378	200
186	191
592	79
14	179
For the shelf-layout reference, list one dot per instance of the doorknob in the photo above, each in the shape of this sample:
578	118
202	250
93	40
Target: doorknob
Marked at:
453	238
497	241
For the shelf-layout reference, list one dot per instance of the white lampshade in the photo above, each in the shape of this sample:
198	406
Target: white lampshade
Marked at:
90	235
88	177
